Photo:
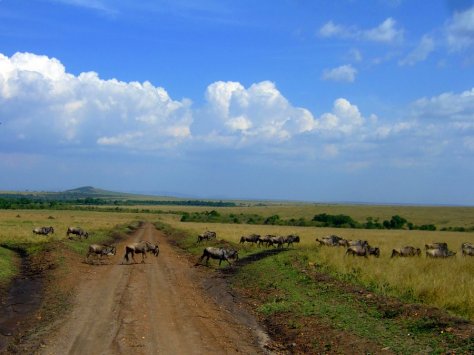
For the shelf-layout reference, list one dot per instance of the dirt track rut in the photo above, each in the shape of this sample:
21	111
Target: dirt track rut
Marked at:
154	308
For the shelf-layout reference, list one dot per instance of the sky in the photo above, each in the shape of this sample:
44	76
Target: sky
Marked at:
367	101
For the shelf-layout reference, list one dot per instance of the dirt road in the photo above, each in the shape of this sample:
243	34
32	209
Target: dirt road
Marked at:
158	307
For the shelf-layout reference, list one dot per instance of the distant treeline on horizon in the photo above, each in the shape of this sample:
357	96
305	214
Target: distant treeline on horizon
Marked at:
12	201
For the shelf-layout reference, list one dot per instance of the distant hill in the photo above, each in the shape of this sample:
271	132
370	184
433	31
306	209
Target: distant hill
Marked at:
80	193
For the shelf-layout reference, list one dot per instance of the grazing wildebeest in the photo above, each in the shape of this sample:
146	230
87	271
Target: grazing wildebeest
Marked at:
359	242
358	250
330	240
43	230
375	251
292	238
439	253
220	254
467	249
265	240
252	238
208	235
77	231
141	247
343	242
406	251
98	249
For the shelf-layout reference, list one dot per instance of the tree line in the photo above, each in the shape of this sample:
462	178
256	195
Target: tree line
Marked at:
39	203
319	220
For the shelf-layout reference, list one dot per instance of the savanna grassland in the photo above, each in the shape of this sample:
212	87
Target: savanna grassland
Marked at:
366	303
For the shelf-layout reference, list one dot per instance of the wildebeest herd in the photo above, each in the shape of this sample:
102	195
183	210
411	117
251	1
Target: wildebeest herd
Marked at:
70	230
362	248
353	247
100	250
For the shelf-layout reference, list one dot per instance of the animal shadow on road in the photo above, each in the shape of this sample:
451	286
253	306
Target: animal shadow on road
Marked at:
246	260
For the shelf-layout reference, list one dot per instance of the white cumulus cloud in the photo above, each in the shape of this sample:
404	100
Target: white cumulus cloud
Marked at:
345	118
41	102
259	112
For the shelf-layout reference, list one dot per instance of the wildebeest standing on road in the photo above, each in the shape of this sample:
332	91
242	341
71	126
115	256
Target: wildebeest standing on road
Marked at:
220	254
77	231
98	249
141	247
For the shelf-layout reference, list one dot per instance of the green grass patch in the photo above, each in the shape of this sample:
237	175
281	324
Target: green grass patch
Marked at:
9	266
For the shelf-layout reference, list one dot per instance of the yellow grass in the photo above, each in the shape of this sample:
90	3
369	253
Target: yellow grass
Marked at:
444	283
17	225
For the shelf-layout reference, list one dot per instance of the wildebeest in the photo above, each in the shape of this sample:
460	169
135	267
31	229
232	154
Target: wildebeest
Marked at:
375	251
406	251
208	235
43	230
292	238
467	249
77	231
343	242
439	253
141	247
330	240
278	240
358	250
359	242
220	254
265	240
98	249
252	238
443	246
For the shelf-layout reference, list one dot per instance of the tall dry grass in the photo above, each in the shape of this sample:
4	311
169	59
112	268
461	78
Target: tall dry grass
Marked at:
444	283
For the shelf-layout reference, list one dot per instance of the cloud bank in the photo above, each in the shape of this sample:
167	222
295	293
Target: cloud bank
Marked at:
42	107
40	101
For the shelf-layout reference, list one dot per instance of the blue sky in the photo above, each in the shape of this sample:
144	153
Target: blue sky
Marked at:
326	101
